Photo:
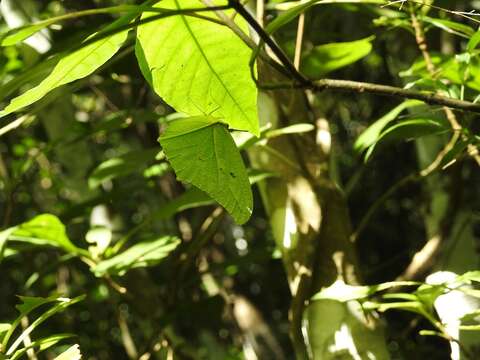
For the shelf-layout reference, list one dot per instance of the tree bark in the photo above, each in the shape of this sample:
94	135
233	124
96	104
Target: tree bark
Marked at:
311	227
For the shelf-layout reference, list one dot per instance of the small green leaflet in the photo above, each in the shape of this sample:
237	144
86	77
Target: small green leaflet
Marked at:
199	67
74	66
326	58
146	253
203	153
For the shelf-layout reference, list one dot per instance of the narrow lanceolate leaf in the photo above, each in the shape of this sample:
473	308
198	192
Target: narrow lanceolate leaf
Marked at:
203	153
143	254
199	67
326	58
73	66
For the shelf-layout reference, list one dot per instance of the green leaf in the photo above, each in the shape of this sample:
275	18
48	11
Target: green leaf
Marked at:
199	67
288	15
72	353
326	58
45	229
470	327
4	327
203	153
120	166
470	276
15	35
406	130
29	304
191	198
343	292
451	26
473	42
370	135
412	306
143	254
4	235
292	9
43	344
73	66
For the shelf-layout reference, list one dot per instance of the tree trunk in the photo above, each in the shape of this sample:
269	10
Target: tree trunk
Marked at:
311	227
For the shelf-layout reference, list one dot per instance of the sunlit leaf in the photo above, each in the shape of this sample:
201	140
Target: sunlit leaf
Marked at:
199	67
3	240
4	327
72	353
473	42
14	36
45	229
451	26
202	152
343	292
143	254
42	344
288	130
29	304
470	276
74	66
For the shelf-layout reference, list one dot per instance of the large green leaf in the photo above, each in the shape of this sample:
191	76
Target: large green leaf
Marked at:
199	67
147	253
45	229
203	153
325	58
73	66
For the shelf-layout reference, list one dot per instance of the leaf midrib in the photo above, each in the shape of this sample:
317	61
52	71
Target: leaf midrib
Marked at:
200	49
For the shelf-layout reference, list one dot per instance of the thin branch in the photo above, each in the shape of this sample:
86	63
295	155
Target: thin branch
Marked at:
465	14
267	39
363	87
